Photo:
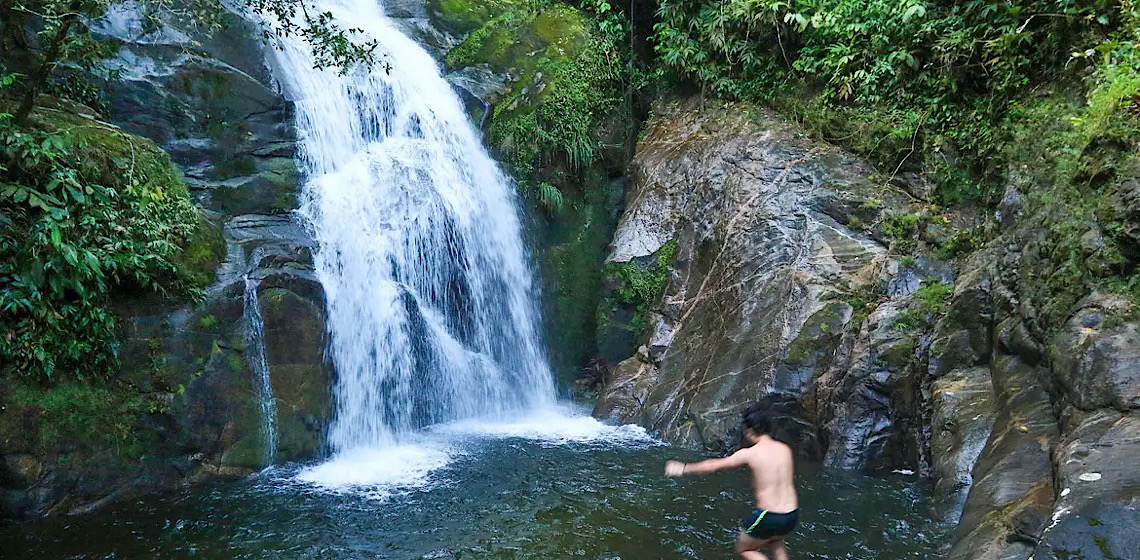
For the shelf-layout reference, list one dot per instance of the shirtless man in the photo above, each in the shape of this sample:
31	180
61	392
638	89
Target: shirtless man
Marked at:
777	507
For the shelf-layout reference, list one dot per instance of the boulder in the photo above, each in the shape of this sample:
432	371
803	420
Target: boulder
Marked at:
1098	487
1010	501
962	418
761	225
1096	362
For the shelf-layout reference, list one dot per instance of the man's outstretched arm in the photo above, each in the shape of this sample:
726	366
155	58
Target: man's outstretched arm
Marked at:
677	468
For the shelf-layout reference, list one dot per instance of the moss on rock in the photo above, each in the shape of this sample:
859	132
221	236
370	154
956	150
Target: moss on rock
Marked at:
464	16
566	79
633	288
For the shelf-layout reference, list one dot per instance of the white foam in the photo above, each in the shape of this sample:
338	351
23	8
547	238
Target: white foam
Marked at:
553	426
379	472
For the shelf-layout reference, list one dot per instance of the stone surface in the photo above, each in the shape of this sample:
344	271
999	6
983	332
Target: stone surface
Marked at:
754	305
962	419
1098	364
299	374
1011	499
868	401
1097	512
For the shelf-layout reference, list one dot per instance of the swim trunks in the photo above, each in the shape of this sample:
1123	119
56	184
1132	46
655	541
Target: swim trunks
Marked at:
763	524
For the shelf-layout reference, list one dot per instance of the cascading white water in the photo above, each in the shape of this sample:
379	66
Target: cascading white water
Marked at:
255	356
431	303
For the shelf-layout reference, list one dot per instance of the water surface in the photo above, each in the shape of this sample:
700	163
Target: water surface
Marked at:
491	494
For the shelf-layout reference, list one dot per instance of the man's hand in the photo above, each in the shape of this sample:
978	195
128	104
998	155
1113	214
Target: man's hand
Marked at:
674	468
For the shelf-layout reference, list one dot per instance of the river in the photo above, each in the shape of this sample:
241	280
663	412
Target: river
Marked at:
549	488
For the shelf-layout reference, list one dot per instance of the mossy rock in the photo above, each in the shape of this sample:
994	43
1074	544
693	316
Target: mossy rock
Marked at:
294	343
303	398
247	452
78	418
120	160
566	80
269	186
464	16
630	291
573	252
202	253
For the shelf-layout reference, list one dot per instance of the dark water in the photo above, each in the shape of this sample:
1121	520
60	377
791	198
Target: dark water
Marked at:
500	499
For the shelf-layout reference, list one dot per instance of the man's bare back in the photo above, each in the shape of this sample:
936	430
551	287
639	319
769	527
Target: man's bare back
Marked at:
773	481
772	474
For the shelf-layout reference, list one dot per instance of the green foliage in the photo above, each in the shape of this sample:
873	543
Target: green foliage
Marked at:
569	81
207	322
899	355
1078	172
465	16
550	197
927	305
909	83
641	286
332	46
94	416
87	210
863	299
962	242
902	228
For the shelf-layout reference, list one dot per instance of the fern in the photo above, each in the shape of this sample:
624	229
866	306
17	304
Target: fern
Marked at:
550	196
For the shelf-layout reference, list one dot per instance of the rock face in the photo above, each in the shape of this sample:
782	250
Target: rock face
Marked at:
225	123
757	299
210	102
781	288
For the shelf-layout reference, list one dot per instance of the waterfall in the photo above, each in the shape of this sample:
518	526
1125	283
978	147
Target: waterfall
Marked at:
432	310
255	356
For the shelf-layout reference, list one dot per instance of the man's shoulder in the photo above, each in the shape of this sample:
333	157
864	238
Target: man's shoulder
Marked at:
767	449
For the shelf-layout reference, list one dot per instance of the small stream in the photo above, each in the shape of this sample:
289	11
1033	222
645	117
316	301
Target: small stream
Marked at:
545	489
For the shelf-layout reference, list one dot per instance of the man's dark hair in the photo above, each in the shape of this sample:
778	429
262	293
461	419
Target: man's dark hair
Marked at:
757	420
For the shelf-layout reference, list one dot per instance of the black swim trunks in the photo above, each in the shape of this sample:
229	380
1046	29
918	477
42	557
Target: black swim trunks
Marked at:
763	524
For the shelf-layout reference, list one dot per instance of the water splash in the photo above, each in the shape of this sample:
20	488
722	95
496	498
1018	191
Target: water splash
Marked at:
259	364
431	303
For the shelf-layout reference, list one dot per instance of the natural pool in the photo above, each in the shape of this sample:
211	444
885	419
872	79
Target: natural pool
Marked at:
579	490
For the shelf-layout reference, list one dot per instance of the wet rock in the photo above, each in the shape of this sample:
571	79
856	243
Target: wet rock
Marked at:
963	337
814	348
1099	365
868	400
917	185
1010	502
299	374
20	468
1010	207
759	217
963	417
1098	489
661	338
626	390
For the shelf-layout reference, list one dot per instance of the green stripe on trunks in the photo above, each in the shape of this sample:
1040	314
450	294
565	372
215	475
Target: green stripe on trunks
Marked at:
758	520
